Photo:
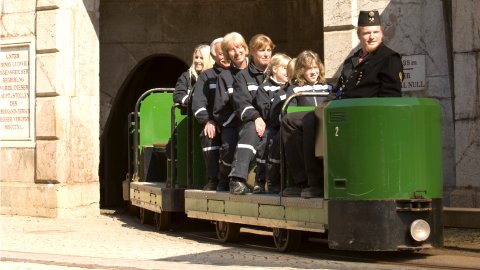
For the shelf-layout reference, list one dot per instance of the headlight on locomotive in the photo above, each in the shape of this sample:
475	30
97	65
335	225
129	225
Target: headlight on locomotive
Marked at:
420	230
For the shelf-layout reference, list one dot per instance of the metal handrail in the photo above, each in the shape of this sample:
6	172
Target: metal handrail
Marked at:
131	165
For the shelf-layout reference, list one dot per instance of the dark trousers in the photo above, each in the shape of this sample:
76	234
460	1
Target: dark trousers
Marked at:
210	152
246	150
261	162
261	159
273	157
298	137
229	137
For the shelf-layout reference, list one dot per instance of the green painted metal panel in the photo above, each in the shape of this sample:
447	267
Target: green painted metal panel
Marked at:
196	204
155	118
383	148
216	206
199	177
198	164
182	154
271	211
300	108
312	215
154	129
241	208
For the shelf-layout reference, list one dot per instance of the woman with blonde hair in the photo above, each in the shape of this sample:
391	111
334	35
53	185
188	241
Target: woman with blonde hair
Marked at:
201	60
235	51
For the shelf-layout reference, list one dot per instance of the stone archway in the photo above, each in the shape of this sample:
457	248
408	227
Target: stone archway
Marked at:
154	71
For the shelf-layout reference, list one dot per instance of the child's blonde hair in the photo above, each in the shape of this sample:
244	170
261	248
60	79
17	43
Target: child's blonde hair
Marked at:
291	69
277	60
305	60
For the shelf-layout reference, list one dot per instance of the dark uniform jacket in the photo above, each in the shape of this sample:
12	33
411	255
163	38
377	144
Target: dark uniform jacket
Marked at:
380	74
276	106
204	94
182	89
245	89
308	101
223	110
265	95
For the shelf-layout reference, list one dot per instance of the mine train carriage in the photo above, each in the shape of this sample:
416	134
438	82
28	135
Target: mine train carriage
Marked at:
382	171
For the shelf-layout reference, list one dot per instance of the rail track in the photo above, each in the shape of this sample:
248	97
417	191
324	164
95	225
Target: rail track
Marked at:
316	248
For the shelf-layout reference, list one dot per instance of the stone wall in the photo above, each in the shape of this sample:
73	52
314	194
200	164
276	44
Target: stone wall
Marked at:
466	65
58	174
176	27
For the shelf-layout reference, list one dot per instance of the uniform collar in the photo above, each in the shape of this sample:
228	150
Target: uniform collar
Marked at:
274	82
254	69
218	68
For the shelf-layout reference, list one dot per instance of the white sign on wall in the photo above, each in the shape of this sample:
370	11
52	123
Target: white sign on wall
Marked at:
16	94
414	72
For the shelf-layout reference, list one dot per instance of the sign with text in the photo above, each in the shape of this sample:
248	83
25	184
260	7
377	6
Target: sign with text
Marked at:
15	99
414	70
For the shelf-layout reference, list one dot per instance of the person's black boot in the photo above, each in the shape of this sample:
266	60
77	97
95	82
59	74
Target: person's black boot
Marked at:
312	192
237	186
273	188
258	188
222	185
292	192
211	184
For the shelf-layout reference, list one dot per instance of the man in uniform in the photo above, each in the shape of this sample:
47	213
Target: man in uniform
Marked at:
202	108
373	71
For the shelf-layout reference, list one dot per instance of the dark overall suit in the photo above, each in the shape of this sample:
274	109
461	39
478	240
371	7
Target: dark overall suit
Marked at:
244	92
268	151
202	107
298	135
224	115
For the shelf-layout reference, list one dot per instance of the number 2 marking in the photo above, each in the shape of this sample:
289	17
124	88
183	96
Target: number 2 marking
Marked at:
336	131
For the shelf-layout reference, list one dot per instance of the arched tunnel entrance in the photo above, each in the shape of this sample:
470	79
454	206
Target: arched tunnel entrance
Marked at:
155	71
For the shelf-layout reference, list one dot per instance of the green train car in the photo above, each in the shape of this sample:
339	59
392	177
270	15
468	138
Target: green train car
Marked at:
382	171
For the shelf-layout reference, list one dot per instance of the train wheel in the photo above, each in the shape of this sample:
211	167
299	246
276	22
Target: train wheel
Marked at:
162	220
227	231
145	216
287	240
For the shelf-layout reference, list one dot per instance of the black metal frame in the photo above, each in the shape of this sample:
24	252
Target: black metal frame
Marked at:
131	163
371	225
189	143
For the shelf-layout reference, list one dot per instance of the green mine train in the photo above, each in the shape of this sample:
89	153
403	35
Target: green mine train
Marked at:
382	171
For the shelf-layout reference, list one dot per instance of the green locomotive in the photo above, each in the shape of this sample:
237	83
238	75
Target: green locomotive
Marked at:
382	171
